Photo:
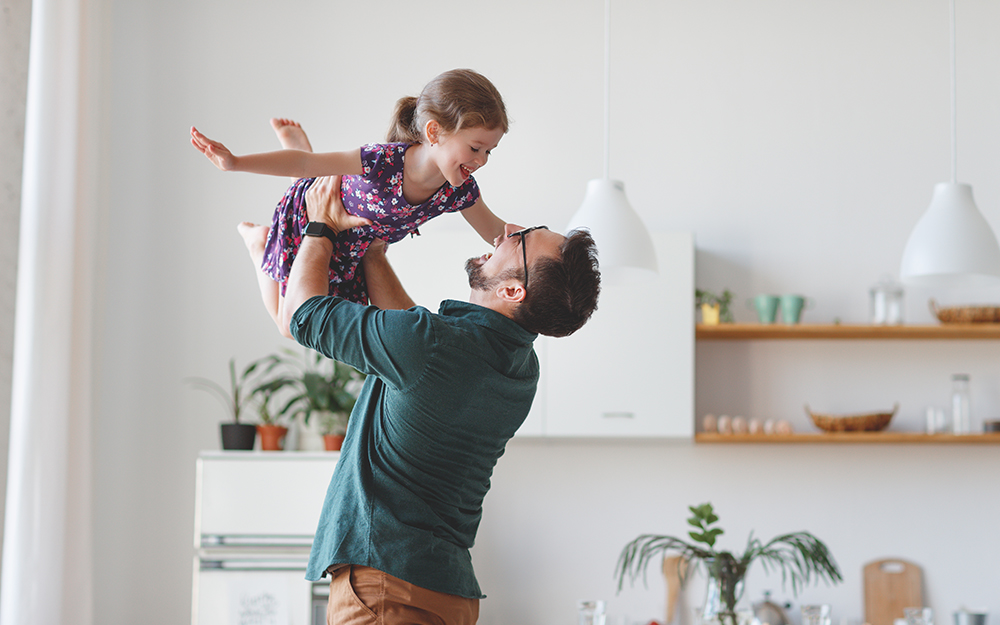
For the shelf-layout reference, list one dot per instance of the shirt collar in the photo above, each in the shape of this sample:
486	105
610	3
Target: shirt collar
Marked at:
488	318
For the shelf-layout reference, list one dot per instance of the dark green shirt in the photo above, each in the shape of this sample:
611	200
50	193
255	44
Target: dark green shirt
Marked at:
444	394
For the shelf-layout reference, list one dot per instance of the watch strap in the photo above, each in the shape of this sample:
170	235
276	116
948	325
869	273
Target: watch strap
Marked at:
319	229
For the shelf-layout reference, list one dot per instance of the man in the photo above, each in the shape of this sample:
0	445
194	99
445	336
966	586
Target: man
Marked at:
444	394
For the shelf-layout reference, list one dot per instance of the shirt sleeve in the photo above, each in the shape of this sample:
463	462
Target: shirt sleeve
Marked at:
394	345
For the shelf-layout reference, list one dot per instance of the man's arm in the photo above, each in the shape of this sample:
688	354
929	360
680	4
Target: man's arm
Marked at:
384	288
310	275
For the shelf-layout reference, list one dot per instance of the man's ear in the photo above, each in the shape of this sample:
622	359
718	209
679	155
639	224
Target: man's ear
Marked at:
511	291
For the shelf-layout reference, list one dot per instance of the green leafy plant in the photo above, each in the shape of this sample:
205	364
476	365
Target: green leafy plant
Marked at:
334	422
321	385
722	301
800	556
268	391
242	386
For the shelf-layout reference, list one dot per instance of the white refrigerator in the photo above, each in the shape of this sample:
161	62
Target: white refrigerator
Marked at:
255	515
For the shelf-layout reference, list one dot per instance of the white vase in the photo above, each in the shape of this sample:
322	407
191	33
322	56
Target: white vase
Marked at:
310	435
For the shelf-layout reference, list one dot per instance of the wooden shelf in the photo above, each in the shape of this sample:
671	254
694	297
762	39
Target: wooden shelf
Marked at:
758	331
991	438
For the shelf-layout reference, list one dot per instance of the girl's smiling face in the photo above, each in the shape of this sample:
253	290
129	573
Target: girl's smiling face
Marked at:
461	153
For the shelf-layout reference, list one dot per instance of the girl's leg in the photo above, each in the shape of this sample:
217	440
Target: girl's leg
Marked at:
290	135
254	237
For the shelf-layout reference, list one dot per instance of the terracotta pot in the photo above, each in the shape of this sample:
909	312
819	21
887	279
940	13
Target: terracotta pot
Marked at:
272	436
333	442
238	436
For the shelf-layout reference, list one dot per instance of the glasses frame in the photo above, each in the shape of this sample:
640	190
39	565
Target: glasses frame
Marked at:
524	250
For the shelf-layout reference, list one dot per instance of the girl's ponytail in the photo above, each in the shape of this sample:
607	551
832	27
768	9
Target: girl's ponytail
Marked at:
402	128
456	99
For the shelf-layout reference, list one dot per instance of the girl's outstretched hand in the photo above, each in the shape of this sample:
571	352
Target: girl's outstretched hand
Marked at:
213	150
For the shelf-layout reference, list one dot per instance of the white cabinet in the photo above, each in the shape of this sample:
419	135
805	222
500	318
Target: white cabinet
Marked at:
255	516
252	496
628	373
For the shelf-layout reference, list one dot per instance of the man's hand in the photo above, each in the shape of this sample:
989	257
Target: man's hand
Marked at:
377	248
323	203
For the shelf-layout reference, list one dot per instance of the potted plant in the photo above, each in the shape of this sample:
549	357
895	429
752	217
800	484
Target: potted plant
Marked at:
237	435
334	428
325	388
800	556
714	308
272	431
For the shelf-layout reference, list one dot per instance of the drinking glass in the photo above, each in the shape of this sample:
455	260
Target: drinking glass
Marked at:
816	614
918	616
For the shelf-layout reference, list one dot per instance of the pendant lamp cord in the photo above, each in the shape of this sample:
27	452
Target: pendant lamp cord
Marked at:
607	89
954	117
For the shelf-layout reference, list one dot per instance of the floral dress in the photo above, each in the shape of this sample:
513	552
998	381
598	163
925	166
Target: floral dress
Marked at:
377	195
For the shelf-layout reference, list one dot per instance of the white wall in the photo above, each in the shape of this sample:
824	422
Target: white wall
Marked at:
799	142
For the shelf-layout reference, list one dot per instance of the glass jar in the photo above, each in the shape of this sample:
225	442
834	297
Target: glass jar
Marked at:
724	591
961	414
887	303
591	613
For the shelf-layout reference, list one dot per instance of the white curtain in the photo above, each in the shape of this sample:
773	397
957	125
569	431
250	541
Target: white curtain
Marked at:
47	549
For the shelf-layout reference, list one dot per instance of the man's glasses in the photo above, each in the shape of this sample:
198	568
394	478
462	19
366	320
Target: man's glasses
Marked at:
524	250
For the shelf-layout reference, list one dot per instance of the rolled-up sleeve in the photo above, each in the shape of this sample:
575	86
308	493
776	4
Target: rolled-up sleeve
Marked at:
394	345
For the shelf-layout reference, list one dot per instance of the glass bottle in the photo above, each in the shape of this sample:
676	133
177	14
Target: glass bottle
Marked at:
591	613
961	418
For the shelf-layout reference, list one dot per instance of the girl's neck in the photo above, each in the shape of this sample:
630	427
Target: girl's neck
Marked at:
421	175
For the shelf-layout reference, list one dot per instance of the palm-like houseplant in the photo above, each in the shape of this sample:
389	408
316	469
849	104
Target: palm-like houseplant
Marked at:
800	556
323	387
271	429
242	388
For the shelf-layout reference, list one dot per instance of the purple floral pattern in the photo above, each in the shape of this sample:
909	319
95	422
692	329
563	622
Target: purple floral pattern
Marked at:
377	195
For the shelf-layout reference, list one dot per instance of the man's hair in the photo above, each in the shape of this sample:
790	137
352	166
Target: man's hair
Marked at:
563	291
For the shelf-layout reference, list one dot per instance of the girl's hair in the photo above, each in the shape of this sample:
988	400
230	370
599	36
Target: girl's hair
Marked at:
457	99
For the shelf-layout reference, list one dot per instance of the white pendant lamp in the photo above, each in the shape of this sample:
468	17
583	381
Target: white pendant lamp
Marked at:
952	245
623	242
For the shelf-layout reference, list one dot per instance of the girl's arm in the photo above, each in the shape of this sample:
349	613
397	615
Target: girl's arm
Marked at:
293	163
482	219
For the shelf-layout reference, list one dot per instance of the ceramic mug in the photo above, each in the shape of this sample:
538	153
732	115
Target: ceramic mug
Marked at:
766	306
792	307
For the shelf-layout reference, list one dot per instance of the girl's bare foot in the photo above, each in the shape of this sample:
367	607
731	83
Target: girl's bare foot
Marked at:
254	237
290	134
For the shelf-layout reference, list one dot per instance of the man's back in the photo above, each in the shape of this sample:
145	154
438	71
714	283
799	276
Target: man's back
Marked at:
444	395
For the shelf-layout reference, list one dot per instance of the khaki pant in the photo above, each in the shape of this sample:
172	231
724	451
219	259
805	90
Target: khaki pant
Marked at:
360	595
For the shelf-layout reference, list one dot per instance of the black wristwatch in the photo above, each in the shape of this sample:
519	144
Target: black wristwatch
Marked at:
319	229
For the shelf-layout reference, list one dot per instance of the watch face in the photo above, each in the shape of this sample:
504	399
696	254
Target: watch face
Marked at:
318	229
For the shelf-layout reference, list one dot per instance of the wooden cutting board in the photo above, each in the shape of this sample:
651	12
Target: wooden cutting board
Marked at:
891	585
674	568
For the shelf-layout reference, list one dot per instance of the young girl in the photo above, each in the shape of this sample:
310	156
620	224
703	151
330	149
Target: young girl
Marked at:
434	144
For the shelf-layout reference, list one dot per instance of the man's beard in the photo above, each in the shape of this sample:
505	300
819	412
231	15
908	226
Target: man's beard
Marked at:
477	280
480	282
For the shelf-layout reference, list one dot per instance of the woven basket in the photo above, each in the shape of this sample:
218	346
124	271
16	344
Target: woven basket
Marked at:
862	422
966	314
